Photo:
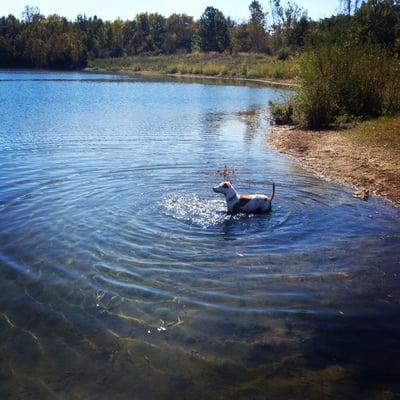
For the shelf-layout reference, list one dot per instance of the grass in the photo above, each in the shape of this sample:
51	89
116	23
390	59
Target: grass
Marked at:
383	133
242	65
364	155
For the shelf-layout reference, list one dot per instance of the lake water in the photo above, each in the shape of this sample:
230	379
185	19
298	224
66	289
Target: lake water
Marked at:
122	277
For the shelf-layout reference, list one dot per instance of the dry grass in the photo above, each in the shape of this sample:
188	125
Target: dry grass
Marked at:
383	133
242	65
366	156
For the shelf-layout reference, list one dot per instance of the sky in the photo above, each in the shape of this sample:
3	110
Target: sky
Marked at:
127	9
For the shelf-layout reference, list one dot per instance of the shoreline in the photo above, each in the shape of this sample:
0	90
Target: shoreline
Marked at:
155	74
335	156
158	74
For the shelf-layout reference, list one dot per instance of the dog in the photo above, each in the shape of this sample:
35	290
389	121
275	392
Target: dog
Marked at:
241	203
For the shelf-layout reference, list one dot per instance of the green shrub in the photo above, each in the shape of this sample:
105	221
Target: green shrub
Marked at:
172	69
137	67
243	70
211	69
184	69
283	55
224	70
277	73
196	69
357	81
281	113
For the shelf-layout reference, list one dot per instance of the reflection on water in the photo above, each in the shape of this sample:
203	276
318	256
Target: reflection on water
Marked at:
255	119
193	210
122	276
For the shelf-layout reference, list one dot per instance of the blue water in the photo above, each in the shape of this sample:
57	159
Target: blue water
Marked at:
121	276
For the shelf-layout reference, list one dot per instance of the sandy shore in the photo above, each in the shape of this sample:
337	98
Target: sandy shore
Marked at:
334	155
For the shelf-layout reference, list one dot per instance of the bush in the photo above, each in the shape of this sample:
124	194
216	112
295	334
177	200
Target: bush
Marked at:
283	55
336	80
224	70
137	67
277	73
211	69
172	69
281	113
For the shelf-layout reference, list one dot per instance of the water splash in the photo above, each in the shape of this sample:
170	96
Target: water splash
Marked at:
194	210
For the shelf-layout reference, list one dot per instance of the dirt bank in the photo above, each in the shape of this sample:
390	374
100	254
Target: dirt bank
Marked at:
364	160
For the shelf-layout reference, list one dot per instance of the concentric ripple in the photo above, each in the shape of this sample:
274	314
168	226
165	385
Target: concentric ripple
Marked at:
123	277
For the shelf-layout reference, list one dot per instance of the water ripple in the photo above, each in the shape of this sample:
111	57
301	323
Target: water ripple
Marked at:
118	262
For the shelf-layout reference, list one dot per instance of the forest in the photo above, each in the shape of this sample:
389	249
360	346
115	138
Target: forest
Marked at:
280	29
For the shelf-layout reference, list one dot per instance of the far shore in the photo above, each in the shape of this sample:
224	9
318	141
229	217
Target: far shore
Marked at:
266	82
241	67
366	156
289	84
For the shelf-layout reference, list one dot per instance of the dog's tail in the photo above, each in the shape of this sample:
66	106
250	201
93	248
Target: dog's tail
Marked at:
273	191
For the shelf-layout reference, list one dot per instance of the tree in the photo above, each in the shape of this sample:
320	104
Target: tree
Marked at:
115	37
329	30
66	50
213	31
9	26
377	21
95	35
157	31
257	14
241	41
129	29
256	27
297	36
9	29
284	19
142	41
179	32
7	52
35	52
31	15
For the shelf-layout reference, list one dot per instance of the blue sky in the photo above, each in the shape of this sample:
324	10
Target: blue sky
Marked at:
127	9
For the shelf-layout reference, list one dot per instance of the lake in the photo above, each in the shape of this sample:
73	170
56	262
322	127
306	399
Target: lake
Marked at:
122	277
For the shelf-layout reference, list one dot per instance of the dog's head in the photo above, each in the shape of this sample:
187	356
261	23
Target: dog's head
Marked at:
223	187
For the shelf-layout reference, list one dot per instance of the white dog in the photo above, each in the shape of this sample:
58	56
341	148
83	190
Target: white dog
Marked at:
240	203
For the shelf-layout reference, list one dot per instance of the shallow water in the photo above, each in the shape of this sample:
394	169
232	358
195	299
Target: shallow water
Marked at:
121	276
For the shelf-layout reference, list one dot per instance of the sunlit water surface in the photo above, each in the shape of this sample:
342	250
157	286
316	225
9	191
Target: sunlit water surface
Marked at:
122	277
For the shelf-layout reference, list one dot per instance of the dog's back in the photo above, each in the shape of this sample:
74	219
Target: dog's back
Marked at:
256	203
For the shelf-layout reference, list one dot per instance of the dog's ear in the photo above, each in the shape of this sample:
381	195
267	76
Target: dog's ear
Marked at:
225	185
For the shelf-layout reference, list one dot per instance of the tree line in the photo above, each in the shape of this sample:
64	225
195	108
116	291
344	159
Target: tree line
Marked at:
282	29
